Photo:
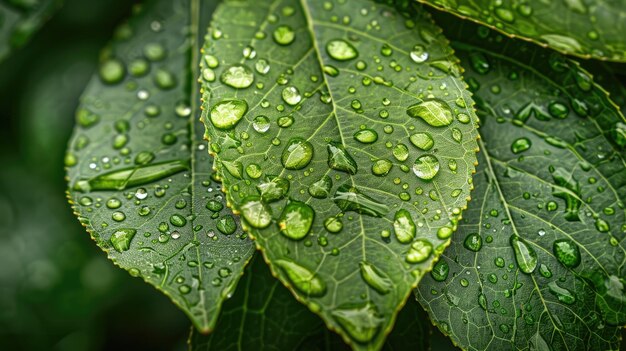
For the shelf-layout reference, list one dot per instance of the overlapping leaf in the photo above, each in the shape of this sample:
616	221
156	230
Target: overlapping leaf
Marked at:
262	315
583	28
539	259
20	19
139	172
345	138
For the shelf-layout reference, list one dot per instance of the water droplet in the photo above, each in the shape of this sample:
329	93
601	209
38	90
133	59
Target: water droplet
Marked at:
256	213
273	188
303	279
566	252
321	188
262	66
296	220
261	124
214	206
341	50
121	239
178	220
418	54
473	242
291	95
366	136
381	167
238	76
520	145
400	152
419	251
403	226
348	198
154	51
164	79
118	216
434	112
422	141
333	224
112	71
226	225
226	114
564	295
525	255
440	270
375	278
297	154
426	167
339	159
362	322
284	35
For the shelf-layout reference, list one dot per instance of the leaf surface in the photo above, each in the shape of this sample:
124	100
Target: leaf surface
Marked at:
588	29
538	260
19	20
262	315
139	173
346	140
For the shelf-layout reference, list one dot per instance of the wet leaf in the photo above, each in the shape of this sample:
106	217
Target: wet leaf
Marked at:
20	19
262	315
588	29
348	220
549	211
139	173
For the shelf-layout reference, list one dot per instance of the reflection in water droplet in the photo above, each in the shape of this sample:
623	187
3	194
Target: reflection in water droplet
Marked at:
341	50
256	213
121	239
238	76
226	114
303	279
434	112
426	167
375	278
296	220
566	252
525	255
297	154
361	322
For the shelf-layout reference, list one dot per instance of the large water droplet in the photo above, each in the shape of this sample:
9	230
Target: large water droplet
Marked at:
566	252
226	114
121	239
473	242
291	95
520	145
297	154
420	251
525	255
303	279
238	76
440	270
341	50
361	322
426	167
403	226
375	278
348	198
564	295
321	188
434	112
422	141
256	213
366	136
296	220
284	35
339	159
273	188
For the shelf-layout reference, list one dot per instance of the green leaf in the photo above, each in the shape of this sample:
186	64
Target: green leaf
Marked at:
347	142
262	315
20	19
537	262
587	29
139	173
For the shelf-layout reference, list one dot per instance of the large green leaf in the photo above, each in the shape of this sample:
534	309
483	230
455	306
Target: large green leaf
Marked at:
19	19
538	260
139	172
263	316
345	138
585	28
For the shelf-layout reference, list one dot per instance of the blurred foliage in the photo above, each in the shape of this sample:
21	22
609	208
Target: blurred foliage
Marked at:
57	290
